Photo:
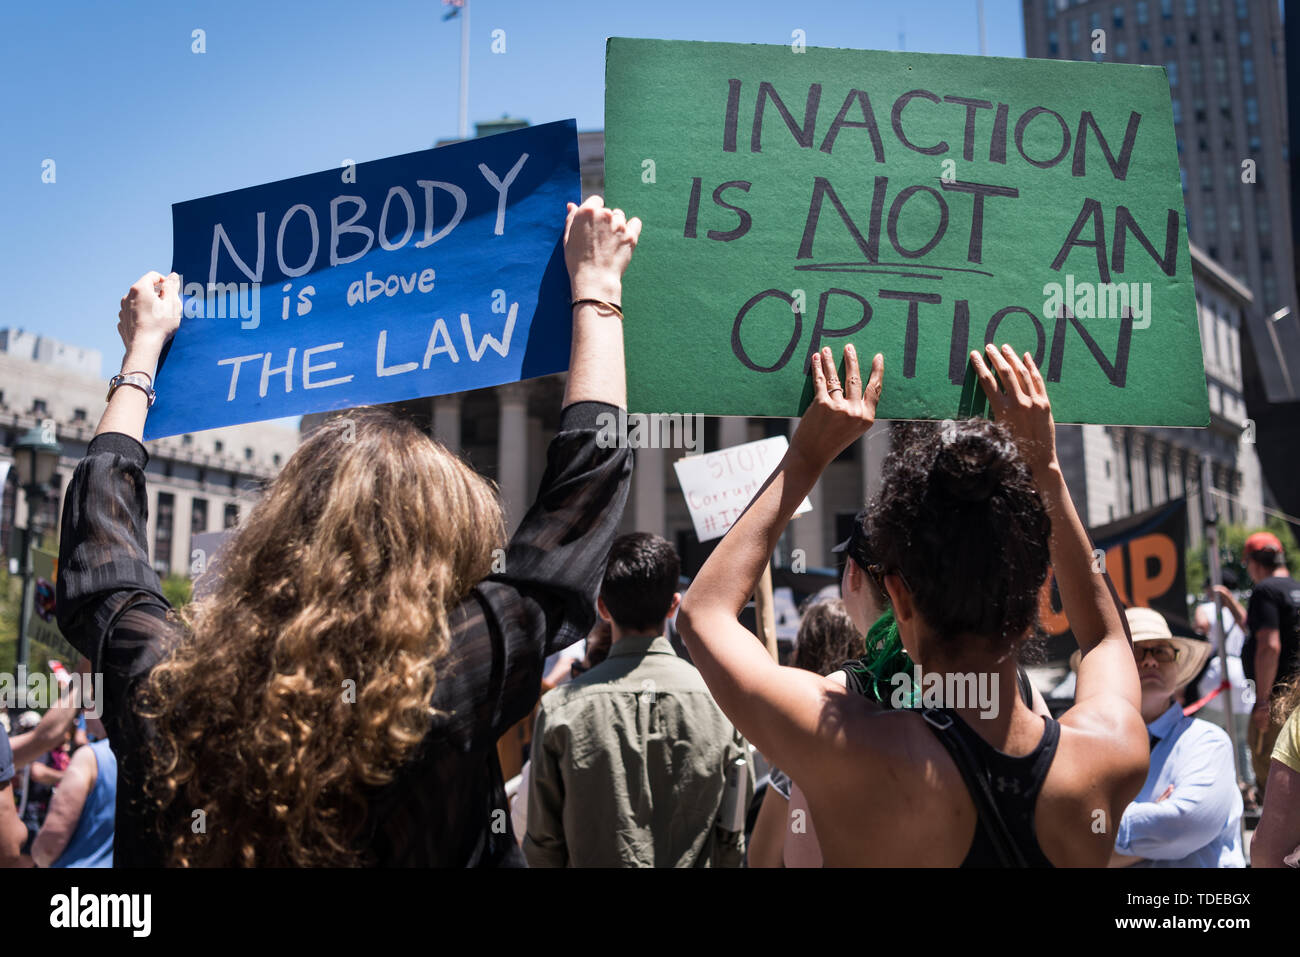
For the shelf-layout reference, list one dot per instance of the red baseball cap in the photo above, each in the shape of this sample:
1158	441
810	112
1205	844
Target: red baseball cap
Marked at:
1259	542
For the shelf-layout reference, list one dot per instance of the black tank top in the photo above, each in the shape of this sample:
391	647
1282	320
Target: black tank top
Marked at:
1015	783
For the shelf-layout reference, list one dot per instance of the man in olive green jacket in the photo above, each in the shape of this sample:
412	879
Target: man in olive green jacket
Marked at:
633	763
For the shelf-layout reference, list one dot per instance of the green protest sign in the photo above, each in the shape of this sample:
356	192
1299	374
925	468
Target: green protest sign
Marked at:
915	205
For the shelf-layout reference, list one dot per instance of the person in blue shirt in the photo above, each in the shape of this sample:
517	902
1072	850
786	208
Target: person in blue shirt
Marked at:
1188	813
78	831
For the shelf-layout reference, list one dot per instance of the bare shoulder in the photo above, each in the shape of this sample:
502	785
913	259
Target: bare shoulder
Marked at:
895	783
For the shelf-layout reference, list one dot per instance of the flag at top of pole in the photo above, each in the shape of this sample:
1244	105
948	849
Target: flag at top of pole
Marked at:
458	7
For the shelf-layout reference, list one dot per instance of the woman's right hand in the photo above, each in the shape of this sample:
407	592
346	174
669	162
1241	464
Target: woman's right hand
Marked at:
150	313
838	414
1020	403
598	244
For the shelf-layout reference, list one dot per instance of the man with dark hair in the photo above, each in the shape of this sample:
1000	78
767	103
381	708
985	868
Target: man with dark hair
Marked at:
1271	654
633	763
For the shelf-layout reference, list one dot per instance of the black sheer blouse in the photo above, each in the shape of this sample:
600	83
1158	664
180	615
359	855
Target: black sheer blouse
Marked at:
448	806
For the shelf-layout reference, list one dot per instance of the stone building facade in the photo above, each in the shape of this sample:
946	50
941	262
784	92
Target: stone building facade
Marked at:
199	482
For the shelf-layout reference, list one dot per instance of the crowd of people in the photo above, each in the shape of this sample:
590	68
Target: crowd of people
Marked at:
338	697
58	785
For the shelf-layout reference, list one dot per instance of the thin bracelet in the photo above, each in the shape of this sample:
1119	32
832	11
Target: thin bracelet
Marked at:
598	302
148	393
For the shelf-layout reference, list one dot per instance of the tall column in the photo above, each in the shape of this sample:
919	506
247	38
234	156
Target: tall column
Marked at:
1177	486
538	440
1159	478
1195	512
807	530
648	486
512	451
1124	503
1138	471
1217	484
446	421
732	430
179	560
151	523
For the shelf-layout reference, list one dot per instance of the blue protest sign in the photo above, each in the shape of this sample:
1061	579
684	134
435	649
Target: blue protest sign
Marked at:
417	275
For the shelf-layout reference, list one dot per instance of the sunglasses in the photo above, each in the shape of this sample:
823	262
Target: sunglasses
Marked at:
1161	653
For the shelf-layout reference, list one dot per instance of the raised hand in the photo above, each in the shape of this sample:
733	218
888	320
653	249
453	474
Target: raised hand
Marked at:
839	414
150	313
598	244
1020	403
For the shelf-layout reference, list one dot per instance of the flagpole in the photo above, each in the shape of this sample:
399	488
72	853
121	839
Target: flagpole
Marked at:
462	125
1210	516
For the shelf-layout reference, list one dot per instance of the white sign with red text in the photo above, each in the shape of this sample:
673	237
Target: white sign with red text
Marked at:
719	485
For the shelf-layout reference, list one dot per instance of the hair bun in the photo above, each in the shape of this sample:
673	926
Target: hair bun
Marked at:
968	468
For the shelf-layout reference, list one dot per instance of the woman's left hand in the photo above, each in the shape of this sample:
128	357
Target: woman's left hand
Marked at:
1020	403
839	414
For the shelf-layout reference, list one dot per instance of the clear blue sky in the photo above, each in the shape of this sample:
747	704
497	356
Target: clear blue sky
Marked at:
135	121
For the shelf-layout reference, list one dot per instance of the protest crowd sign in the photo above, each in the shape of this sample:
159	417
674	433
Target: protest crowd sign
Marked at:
719	485
914	205
423	274
1144	556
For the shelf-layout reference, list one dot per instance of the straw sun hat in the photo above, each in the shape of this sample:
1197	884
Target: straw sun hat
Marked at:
1149	625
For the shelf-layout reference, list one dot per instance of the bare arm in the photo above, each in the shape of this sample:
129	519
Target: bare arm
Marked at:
47	735
1087	597
778	709
1108	695
150	315
1278	833
767	841
598	244
12	830
802	848
1268	652
65	808
45	775
1230	602
1039	703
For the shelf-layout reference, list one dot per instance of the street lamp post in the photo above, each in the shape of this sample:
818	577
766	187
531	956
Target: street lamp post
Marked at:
36	459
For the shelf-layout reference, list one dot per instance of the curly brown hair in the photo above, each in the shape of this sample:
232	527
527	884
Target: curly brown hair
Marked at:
304	681
1285	701
961	520
827	637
